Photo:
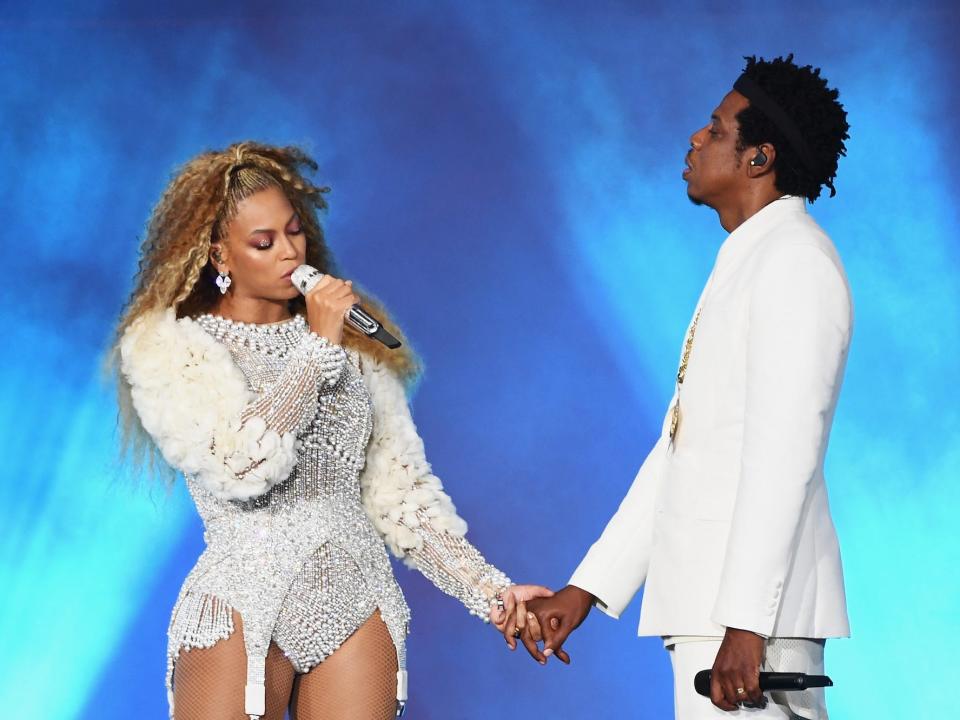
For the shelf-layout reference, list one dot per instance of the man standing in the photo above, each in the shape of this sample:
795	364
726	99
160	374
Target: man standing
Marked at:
727	524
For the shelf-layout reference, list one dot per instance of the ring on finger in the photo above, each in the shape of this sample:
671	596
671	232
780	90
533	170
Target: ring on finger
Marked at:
516	632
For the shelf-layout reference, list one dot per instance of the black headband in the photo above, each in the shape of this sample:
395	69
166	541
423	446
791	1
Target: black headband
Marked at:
784	123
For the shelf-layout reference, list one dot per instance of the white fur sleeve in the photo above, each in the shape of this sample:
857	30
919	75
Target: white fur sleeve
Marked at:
408	506
194	402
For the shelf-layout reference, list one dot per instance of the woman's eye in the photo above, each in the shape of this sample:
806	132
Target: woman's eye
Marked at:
297	230
264	244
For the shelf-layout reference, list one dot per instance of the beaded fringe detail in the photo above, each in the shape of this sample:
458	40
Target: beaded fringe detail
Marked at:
200	621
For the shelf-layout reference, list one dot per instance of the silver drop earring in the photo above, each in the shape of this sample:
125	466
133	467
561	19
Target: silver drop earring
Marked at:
223	281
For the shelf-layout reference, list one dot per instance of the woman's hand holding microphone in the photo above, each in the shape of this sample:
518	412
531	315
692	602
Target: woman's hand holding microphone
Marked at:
327	306
329	295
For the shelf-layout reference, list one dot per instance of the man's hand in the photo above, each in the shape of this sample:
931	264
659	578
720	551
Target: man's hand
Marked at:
736	671
529	633
511	618
554	618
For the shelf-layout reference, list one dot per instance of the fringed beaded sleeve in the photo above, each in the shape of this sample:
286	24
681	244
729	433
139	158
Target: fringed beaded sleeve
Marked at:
406	501
195	403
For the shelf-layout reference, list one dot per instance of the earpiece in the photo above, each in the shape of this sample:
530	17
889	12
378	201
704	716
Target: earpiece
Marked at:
759	159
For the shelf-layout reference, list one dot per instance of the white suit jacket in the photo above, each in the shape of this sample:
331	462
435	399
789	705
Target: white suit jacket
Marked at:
729	525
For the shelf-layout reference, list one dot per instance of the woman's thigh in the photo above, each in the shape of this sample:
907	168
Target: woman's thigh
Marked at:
208	683
357	682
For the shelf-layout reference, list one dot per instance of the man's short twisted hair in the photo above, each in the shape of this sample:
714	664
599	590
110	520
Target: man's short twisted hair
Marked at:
821	119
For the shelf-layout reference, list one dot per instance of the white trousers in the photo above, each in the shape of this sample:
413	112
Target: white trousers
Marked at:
689	658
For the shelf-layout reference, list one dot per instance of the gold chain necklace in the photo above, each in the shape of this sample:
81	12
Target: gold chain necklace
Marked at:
681	374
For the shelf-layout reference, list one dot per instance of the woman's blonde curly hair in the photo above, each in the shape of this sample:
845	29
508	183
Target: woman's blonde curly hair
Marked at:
192	214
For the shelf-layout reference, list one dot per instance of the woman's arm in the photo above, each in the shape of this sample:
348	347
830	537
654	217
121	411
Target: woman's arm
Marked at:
195	403
407	504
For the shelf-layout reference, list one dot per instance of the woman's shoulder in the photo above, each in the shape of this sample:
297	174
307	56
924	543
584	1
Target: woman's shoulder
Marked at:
159	341
403	367
156	325
389	387
376	371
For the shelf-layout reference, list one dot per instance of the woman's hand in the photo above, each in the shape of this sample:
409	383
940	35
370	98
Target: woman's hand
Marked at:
512	597
513	618
327	305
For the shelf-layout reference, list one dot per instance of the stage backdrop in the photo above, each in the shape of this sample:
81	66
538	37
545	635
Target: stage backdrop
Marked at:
506	177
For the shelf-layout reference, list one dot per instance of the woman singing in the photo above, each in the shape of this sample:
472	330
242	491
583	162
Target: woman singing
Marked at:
296	442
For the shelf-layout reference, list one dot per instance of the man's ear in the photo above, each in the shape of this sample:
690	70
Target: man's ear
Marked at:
761	160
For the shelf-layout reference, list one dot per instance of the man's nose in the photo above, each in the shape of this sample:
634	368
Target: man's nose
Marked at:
696	140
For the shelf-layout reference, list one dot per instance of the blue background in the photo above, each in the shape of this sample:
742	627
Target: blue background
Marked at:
514	168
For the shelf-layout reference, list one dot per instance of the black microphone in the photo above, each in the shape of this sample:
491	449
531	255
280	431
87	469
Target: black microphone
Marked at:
769	681
305	278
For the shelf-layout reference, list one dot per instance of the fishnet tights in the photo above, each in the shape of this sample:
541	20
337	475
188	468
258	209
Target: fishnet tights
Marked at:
208	683
357	682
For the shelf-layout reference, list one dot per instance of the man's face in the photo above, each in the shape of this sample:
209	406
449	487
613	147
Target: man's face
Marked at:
715	170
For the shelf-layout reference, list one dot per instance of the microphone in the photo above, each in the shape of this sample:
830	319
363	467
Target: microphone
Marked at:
305	278
769	681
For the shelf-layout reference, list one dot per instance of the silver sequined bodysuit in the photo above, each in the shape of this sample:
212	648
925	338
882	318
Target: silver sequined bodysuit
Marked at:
303	564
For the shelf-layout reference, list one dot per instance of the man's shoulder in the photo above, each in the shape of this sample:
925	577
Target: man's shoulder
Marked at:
799	258
798	236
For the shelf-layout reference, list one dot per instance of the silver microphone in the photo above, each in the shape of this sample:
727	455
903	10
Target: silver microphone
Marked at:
306	277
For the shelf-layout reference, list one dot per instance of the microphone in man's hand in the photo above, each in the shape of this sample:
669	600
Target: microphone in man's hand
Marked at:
305	278
769	681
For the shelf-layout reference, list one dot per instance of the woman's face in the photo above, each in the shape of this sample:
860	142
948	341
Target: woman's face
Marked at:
263	245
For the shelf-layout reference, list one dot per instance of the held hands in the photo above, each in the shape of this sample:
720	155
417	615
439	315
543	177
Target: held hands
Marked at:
736	671
327	306
503	610
550	618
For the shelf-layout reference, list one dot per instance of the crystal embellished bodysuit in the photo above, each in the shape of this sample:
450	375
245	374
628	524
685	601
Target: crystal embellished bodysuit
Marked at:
303	563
